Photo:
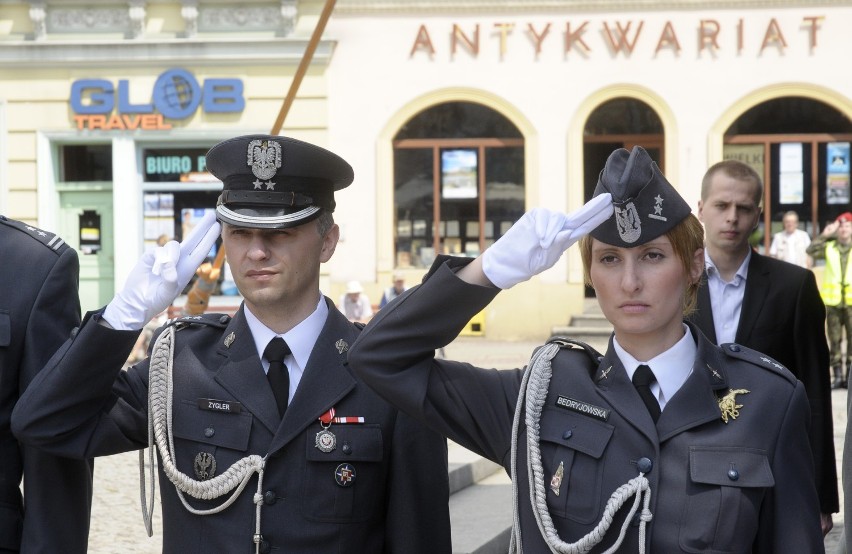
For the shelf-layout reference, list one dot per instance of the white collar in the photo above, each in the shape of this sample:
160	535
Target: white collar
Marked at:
668	367
300	339
712	270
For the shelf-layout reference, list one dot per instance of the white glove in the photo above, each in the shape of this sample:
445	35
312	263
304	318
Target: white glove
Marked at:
160	276
538	240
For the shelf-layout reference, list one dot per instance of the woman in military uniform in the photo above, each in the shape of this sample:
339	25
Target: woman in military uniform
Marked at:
667	443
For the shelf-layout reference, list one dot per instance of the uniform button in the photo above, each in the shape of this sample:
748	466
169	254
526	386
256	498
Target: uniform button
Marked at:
644	465
733	474
209	432
265	547
224	319
567	434
734	347
269	498
346	448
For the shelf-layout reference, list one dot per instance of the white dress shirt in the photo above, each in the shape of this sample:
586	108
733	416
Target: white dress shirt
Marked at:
670	368
301	340
726	298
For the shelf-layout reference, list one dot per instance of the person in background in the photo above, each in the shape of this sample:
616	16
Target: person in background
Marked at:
266	441
833	246
791	244
666	443
39	310
766	305
355	304
394	290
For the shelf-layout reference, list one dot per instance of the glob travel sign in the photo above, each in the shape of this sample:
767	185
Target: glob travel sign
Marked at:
177	94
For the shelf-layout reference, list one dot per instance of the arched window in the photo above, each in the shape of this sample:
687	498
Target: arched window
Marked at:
458	182
801	149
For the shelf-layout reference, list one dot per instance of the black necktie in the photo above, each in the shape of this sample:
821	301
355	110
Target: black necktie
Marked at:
278	376
642	379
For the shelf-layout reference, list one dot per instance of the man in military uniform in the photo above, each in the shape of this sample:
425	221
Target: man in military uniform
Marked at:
39	306
263	401
667	443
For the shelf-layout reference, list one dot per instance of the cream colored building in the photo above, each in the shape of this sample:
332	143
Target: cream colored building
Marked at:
457	116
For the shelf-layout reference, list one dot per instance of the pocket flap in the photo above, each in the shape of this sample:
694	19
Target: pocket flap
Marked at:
730	467
576	431
363	444
225	429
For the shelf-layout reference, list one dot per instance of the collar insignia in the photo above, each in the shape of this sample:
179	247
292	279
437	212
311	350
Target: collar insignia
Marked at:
342	346
229	340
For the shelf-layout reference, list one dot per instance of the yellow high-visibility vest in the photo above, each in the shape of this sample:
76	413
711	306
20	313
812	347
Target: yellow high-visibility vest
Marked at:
831	290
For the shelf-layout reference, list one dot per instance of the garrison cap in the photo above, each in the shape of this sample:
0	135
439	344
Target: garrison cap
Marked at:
275	182
645	204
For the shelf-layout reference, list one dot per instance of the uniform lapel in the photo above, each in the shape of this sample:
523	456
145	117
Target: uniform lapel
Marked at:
325	380
242	374
756	289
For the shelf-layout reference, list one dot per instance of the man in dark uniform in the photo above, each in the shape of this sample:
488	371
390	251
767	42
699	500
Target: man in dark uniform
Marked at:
262	401
39	306
667	443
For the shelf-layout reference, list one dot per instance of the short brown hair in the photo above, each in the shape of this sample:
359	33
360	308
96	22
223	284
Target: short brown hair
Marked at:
736	170
686	237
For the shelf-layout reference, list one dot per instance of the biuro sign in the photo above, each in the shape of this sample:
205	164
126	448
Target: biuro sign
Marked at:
99	104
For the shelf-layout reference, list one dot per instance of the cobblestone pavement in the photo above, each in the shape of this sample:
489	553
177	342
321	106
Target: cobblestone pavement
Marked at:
117	514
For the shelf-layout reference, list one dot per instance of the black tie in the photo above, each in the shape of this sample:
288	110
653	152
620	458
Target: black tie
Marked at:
279	377
643	377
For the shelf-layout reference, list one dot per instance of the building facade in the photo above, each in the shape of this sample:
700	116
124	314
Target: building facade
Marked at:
457	117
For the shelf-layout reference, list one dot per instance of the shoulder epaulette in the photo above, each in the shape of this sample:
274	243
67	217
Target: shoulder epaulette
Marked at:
565	342
51	240
759	359
219	321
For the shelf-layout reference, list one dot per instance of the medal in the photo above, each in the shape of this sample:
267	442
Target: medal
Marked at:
325	440
344	475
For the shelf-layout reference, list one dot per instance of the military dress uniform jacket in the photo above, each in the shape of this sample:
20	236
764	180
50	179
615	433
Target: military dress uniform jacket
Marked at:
783	317
39	306
736	487
396	488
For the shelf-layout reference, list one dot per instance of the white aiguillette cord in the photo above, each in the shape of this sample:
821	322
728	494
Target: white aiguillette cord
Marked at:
533	393
235	478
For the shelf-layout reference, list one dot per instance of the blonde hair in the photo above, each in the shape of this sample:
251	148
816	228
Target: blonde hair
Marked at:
686	237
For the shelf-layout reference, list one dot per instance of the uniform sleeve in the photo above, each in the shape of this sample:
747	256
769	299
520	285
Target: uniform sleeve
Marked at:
816	249
82	404
418	520
55	489
790	518
812	359
395	355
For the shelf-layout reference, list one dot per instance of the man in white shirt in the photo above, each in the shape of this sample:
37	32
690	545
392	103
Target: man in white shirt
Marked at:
792	243
767	305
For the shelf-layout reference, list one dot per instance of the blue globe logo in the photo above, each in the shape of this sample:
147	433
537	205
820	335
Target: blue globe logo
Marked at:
176	94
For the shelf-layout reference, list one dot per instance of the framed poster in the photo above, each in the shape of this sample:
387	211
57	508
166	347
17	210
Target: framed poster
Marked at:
459	170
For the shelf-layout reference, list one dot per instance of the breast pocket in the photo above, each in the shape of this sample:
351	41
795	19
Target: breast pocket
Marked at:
208	442
726	487
571	450
347	483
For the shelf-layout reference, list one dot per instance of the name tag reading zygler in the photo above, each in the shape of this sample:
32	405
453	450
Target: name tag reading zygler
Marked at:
214	405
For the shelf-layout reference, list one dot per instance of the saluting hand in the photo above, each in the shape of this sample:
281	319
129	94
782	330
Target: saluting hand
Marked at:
160	276
537	240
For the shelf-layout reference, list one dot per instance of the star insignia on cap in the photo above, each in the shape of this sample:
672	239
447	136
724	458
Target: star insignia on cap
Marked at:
258	185
270	185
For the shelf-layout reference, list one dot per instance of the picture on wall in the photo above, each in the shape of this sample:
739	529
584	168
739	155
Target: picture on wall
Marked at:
459	170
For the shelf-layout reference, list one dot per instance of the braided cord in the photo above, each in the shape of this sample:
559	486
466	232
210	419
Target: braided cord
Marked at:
533	393
160	399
